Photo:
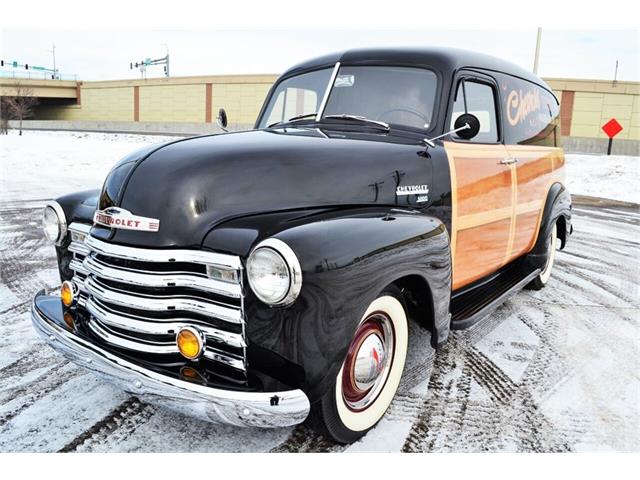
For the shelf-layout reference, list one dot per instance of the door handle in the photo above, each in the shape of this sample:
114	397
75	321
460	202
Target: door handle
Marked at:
509	161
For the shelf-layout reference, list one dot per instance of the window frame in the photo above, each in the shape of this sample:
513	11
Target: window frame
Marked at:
476	77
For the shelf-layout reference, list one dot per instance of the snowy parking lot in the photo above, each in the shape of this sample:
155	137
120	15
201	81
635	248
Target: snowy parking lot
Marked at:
554	370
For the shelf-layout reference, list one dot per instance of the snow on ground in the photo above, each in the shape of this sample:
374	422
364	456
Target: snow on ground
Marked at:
71	161
555	370
615	177
42	165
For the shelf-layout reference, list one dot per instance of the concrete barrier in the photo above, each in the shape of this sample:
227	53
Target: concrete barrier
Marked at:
149	128
599	146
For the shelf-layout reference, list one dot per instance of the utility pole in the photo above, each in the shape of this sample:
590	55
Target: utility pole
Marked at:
536	59
615	75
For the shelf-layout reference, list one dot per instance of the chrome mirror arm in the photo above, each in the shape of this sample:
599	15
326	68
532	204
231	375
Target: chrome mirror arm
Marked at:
429	141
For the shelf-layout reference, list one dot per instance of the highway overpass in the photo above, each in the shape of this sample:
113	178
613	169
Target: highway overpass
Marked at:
63	90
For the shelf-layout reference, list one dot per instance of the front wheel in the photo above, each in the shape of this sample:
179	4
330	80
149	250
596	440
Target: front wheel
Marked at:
370	374
541	280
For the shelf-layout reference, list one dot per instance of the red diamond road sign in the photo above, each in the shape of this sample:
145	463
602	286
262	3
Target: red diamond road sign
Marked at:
612	128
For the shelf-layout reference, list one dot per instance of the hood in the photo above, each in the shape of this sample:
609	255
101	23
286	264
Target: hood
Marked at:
191	186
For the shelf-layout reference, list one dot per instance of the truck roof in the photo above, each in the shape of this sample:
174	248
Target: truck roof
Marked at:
443	59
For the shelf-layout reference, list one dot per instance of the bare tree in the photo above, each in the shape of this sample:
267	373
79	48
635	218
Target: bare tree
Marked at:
21	105
4	116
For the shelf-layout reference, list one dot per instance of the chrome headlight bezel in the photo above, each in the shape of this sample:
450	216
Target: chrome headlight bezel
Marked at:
290	261
61	222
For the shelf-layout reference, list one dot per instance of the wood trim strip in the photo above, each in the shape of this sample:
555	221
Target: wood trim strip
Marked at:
514	205
454	208
529	207
483	218
489	216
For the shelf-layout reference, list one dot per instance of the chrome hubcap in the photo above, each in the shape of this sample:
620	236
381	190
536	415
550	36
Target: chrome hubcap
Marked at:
368	362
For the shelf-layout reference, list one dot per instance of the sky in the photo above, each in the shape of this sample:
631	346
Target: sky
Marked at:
105	54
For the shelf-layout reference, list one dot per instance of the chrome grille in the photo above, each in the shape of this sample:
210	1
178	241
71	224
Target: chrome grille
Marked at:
138	299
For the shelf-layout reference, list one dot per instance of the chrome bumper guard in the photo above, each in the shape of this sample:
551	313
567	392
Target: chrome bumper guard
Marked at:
256	409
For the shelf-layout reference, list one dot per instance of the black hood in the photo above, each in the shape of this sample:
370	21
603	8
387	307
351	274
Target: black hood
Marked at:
193	185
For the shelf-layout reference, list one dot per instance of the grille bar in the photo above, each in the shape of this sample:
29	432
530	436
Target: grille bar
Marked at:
138	299
102	270
219	260
156	327
166	348
76	266
161	304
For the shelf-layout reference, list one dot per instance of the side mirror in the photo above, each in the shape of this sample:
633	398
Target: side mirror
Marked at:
221	119
473	126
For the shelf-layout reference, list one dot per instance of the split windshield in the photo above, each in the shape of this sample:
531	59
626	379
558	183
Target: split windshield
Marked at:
401	96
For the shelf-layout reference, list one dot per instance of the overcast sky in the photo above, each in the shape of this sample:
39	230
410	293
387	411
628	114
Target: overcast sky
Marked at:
105	54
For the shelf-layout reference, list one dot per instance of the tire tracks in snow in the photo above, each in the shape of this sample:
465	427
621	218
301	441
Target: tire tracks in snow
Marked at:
303	439
38	389
123	420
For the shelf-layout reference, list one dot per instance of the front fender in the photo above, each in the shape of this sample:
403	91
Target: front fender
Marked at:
77	207
347	259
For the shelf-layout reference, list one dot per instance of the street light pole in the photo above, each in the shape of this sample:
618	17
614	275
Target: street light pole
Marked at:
53	51
537	55
167	59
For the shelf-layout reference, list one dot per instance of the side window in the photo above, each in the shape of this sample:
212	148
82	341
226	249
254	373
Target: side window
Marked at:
531	113
478	99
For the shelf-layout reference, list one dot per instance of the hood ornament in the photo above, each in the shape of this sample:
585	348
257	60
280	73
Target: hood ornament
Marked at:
114	217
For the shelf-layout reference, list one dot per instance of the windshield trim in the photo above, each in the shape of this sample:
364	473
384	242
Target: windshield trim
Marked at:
327	91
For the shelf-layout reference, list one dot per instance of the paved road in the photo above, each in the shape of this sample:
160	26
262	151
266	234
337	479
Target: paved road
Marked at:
556	370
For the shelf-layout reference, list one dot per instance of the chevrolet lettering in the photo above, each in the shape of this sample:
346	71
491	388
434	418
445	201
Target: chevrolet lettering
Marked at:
268	277
118	218
412	190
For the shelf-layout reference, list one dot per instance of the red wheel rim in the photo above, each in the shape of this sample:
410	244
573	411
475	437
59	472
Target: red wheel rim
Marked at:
368	362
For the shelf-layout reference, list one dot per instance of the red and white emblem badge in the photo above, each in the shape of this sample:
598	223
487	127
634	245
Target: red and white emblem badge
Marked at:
115	217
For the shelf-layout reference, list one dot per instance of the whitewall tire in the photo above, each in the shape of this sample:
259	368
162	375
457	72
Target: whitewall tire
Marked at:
370	374
541	280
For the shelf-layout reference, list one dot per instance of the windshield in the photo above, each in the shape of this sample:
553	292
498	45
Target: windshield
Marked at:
394	95
296	96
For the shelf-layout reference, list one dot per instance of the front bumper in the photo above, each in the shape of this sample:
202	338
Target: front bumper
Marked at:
258	409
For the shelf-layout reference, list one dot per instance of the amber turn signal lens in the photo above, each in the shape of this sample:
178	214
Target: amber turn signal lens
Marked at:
68	319
189	342
191	375
66	293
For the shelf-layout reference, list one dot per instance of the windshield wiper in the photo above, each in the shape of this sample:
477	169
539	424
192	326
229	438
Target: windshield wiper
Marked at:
293	119
358	118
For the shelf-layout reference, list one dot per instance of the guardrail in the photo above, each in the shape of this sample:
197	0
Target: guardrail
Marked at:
35	75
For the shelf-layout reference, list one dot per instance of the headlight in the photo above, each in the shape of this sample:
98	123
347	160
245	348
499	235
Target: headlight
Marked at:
54	223
274	272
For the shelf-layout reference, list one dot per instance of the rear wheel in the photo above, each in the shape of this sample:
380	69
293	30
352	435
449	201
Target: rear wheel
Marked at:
370	374
541	280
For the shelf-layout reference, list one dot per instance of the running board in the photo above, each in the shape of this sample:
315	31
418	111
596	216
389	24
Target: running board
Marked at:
473	304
